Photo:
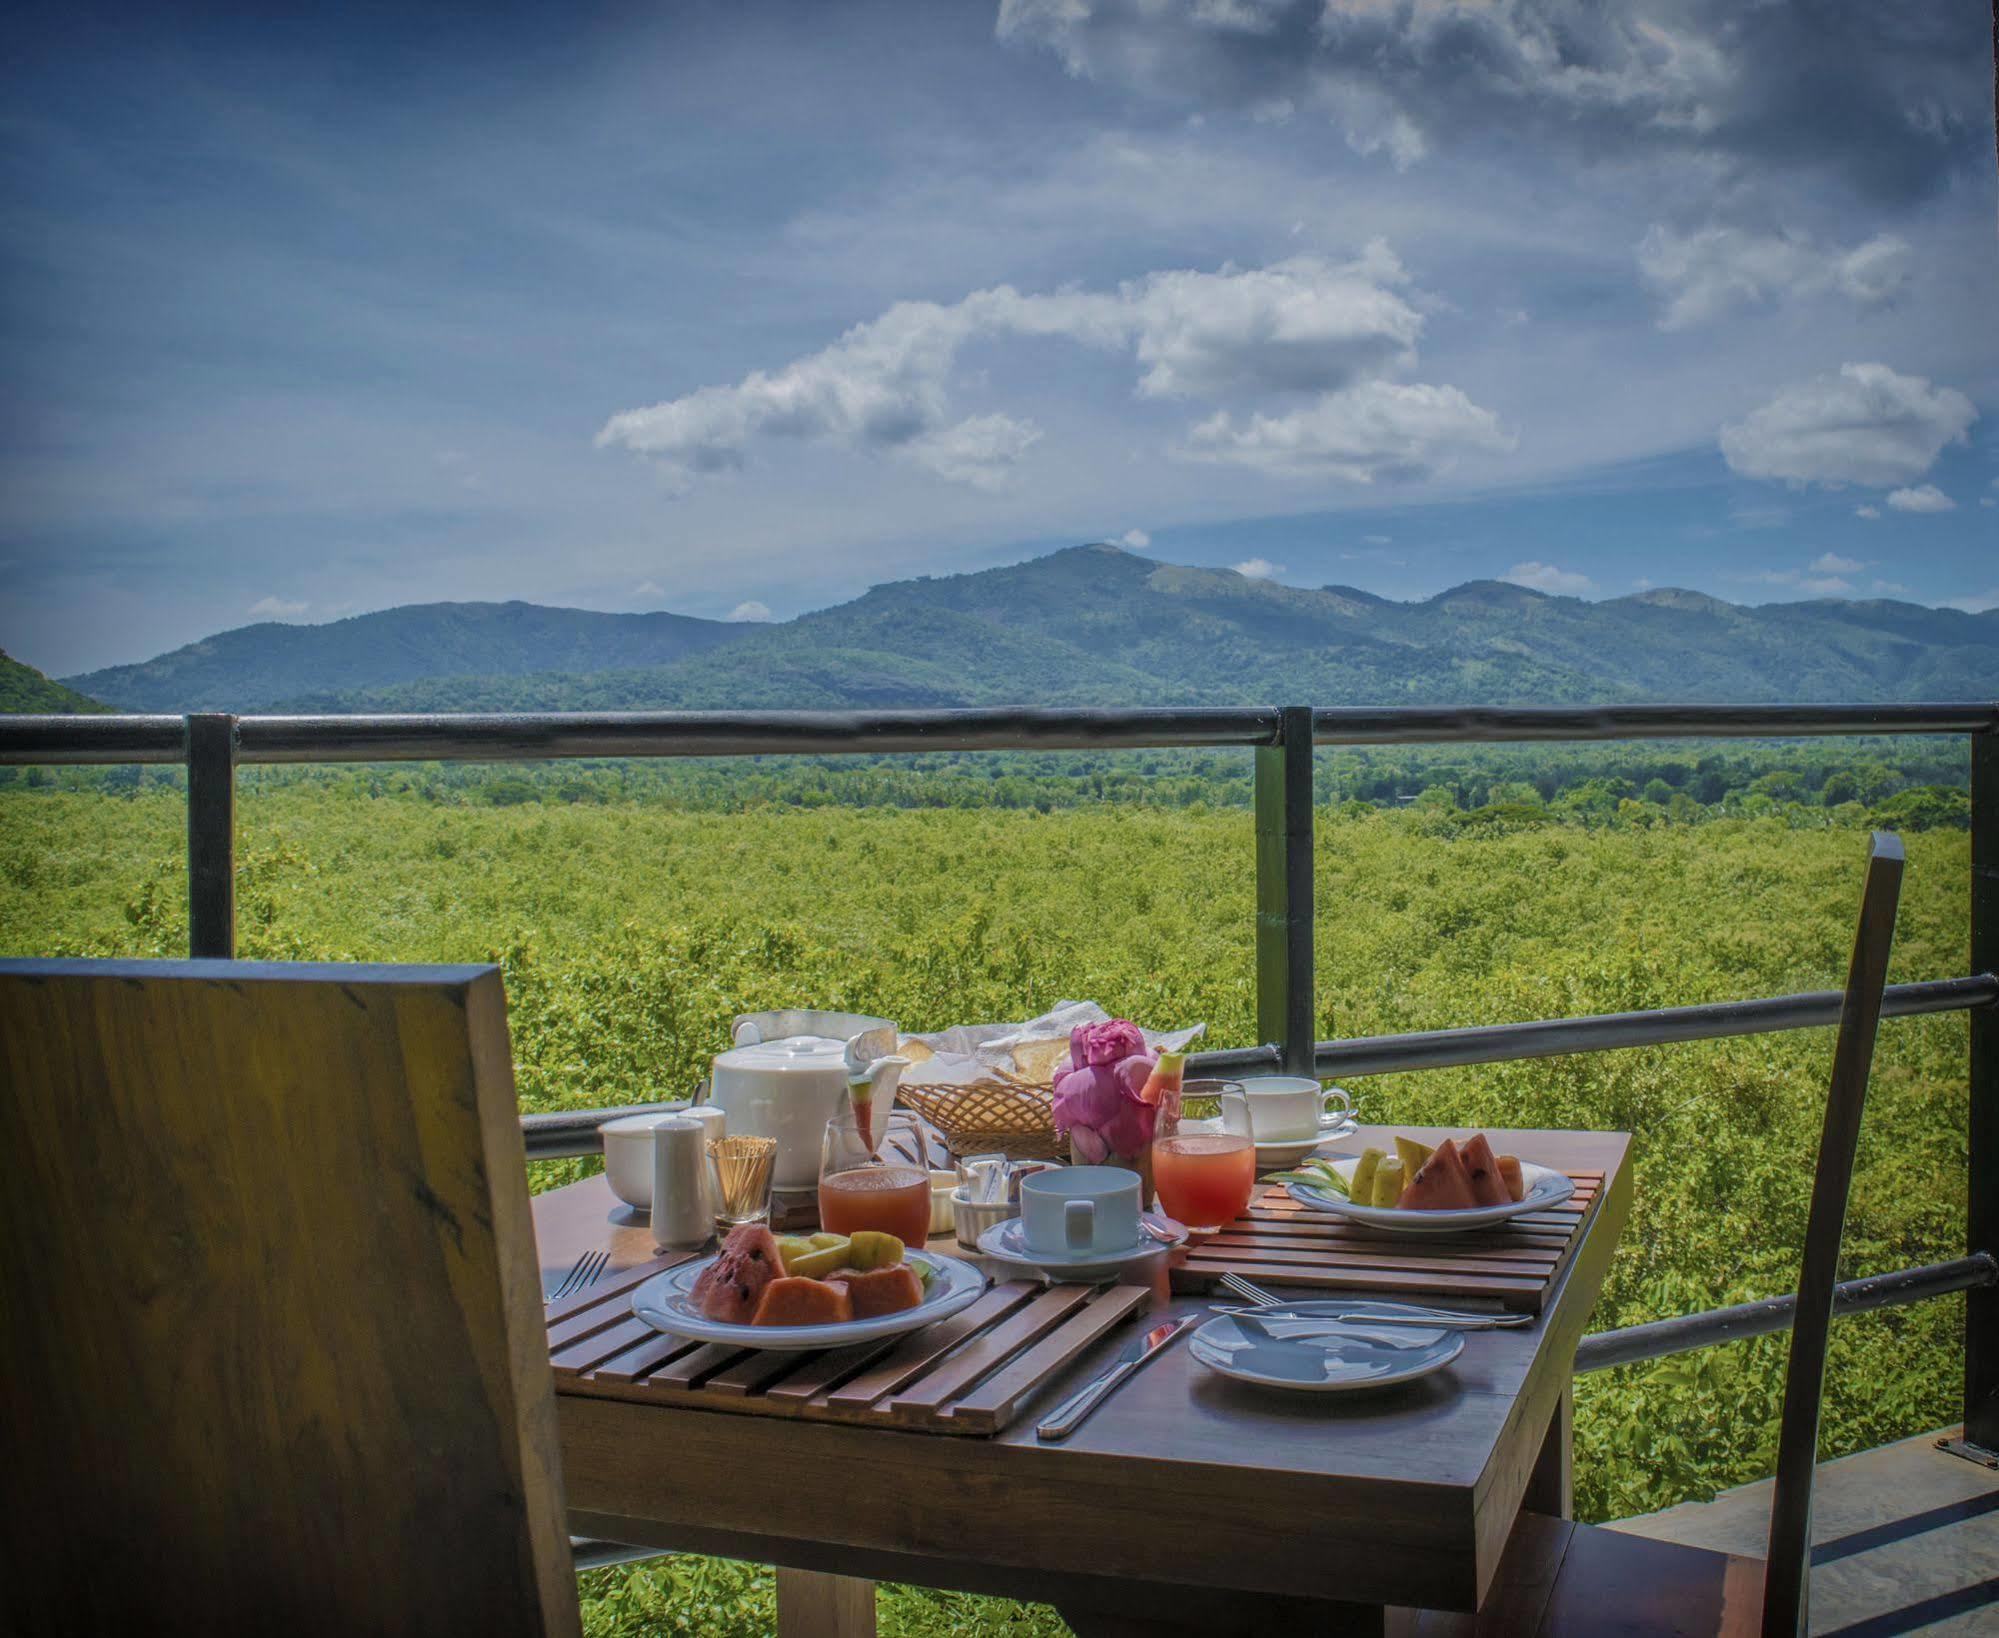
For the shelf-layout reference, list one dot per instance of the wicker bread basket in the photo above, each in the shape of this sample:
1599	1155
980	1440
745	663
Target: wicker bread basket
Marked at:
996	1114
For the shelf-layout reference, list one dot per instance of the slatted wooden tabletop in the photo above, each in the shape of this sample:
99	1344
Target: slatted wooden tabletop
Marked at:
973	1373
1278	1241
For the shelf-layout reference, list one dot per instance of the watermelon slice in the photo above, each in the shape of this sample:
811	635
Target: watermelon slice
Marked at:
792	1300
1442	1185
1509	1174
730	1286
1486	1183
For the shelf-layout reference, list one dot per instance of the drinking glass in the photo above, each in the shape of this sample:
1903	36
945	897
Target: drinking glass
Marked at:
860	1190
1204	1160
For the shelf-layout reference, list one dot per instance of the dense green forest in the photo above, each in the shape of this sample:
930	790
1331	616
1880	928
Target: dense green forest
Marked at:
633	911
1910	784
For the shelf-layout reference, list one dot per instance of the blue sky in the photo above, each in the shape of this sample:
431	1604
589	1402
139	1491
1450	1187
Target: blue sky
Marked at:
744	307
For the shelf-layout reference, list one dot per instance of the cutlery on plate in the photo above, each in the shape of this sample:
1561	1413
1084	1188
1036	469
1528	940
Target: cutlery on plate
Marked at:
1068	1416
1258	1318
1249	1292
583	1273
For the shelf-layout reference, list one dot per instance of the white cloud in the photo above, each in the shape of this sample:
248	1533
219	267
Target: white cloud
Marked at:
1987	500
278	608
981	452
750	610
1923	498
1301	326
1867	424
1976	604
1729	84
1869	512
1380	429
1813	585
1890	588
1545	577
1259	568
1703	275
1833	563
1377	540
648	588
1136	539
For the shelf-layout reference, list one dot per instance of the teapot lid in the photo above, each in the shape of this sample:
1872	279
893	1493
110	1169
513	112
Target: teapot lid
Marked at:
810	1053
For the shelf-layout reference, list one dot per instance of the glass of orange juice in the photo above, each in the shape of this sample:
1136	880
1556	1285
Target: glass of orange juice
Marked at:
860	1190
1204	1160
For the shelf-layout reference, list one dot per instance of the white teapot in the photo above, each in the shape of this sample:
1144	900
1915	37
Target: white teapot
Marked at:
787	1076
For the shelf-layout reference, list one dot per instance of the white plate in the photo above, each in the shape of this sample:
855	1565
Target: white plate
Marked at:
1350	1358
1544	1188
1006	1243
665	1302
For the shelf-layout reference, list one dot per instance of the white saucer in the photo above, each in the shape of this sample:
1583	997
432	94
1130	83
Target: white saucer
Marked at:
1276	1157
1350	1358
1004	1243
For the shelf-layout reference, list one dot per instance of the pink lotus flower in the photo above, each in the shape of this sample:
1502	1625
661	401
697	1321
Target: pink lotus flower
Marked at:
1096	1098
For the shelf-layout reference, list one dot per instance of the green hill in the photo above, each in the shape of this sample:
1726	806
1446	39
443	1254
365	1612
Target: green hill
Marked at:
254	667
1090	625
24	689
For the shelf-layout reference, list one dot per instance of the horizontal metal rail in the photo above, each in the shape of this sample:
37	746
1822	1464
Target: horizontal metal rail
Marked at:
1551	1037
566	1132
532	736
1406	725
1753	1319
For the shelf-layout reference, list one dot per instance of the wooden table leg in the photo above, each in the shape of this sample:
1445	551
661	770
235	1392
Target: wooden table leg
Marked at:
812	1605
1551	1486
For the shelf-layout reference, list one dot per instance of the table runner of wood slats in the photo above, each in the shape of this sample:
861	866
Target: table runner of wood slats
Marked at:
1279	1242
973	1373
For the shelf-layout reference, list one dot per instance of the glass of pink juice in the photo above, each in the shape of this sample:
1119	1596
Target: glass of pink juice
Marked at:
858	1190
1204	1166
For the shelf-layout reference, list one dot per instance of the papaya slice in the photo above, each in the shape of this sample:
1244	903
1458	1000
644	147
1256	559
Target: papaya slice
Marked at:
796	1301
1509	1174
1486	1185
1442	1185
881	1290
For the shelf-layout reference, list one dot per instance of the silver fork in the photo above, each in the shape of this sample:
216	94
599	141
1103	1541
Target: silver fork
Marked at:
1249	1292
586	1271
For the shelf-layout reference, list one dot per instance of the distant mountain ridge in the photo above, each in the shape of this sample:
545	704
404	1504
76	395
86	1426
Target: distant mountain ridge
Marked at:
24	689
1087	625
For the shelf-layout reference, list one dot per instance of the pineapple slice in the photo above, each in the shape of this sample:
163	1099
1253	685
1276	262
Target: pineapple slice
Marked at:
1389	1177
873	1249
1360	1187
1413	1155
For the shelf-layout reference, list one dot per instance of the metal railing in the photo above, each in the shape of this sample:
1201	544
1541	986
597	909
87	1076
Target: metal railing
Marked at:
212	746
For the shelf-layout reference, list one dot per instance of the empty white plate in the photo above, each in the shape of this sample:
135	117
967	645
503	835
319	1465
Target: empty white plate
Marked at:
1317	1353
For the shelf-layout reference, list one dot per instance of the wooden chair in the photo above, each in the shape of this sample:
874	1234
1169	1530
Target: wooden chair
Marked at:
272	1338
1559	1578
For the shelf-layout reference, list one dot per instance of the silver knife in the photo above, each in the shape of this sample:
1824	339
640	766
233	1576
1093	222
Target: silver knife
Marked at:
1069	1415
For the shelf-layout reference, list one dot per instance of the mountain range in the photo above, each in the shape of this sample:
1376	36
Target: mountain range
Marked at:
1093	625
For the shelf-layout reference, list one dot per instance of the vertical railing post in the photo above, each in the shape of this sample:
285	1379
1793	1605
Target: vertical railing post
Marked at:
211	835
1284	1009
1981	1306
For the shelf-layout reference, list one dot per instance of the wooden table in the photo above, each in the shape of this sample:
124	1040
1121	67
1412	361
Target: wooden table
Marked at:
1185	1500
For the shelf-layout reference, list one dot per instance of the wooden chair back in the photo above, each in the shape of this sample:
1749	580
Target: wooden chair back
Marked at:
1785	1585
272	1345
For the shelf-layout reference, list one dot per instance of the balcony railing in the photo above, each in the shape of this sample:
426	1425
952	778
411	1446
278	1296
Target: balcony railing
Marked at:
211	746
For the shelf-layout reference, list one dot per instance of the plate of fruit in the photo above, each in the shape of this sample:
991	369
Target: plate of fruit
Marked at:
763	1290
1456	1185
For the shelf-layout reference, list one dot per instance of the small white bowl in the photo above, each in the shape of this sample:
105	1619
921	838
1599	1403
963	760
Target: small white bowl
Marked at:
972	1218
943	1213
628	1154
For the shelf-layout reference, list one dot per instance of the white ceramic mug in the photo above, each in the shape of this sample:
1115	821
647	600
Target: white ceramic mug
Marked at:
1072	1211
1294	1108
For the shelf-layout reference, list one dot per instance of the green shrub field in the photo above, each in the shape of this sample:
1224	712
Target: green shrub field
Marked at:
630	931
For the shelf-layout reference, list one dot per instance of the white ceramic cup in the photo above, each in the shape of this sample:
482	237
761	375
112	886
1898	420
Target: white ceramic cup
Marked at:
1071	1211
628	1155
1293	1108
